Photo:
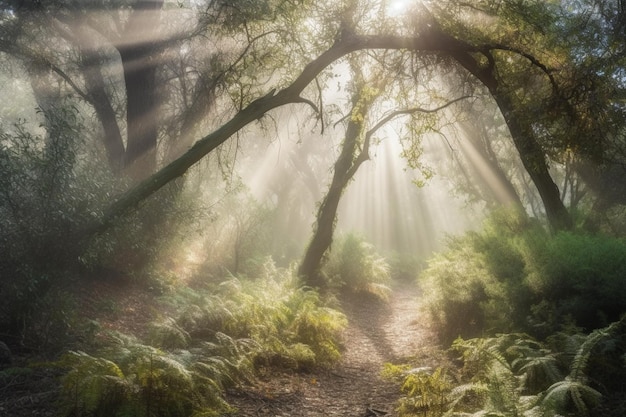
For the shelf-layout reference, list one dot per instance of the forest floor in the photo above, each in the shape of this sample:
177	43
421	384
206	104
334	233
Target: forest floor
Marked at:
378	333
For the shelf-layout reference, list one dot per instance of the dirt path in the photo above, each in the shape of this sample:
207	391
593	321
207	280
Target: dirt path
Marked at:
377	333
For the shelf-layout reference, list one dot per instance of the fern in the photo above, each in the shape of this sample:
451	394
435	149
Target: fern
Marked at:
574	392
215	343
168	334
562	395
140	381
93	386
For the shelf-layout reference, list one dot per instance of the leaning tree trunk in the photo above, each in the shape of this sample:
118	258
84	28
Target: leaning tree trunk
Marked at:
530	151
534	161
345	168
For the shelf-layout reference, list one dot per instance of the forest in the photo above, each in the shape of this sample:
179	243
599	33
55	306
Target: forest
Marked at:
411	208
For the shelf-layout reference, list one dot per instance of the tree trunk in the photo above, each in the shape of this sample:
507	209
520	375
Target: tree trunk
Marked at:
96	91
140	76
345	168
534	161
530	151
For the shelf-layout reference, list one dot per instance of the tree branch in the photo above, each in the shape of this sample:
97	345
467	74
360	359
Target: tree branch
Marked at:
429	40
403	112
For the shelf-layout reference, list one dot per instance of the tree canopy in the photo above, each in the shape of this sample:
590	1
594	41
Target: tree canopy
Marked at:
153	77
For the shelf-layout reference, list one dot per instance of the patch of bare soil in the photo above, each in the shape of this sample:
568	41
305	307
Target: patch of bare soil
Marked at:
377	333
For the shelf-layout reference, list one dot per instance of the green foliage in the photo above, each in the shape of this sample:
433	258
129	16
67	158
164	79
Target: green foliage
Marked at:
140	381
291	325
426	393
404	267
514	276
43	200
218	339
354	265
515	375
582	276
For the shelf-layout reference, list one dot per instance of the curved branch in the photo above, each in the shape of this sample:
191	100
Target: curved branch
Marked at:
529	57
429	40
404	112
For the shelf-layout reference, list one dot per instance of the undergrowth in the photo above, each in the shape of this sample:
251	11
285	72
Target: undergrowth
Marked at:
516	375
537	318
355	266
220	337
514	276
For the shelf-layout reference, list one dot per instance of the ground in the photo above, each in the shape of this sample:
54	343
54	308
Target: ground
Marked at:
377	333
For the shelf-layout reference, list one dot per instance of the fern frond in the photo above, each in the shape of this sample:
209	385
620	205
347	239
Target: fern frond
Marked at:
579	364
562	395
93	384
168	334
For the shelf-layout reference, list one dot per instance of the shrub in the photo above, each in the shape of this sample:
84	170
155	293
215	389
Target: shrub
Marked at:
514	276
50	187
583	277
354	265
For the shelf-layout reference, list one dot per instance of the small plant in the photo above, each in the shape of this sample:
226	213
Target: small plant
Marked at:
427	393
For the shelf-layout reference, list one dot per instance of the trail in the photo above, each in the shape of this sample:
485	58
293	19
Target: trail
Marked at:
377	333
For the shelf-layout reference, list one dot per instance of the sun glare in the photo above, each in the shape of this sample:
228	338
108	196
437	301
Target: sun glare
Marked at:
398	7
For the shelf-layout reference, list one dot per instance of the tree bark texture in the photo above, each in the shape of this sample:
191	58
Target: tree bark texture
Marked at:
530	151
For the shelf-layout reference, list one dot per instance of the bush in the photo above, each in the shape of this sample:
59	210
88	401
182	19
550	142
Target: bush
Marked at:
514	276
45	198
582	276
354	265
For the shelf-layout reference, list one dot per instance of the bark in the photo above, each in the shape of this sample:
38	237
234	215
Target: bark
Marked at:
140	67
99	99
530	151
345	168
534	161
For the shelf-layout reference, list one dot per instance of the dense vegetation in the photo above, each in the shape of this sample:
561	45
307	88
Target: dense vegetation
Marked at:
134	143
219	337
536	321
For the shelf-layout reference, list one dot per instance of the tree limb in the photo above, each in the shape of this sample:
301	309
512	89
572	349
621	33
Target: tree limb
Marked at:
428	40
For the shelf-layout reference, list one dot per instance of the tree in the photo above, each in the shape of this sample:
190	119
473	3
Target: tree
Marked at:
354	152
498	65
